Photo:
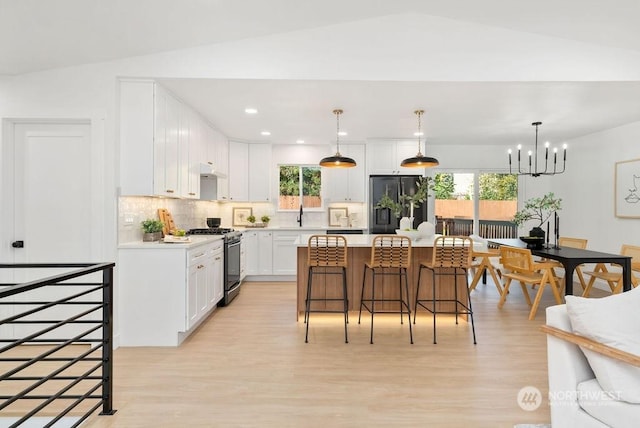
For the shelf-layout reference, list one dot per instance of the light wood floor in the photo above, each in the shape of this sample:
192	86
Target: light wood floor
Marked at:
248	366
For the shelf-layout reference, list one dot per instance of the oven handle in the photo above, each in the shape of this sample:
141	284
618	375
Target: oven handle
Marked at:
234	287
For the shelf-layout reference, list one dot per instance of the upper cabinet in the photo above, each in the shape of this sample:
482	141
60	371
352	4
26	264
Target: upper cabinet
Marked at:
384	157
347	184
249	179
238	176
259	172
163	143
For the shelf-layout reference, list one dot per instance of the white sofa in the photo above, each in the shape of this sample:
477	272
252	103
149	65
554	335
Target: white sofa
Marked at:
575	396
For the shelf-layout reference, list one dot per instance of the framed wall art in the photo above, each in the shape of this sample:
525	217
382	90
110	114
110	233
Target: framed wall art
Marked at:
240	216
335	214
627	189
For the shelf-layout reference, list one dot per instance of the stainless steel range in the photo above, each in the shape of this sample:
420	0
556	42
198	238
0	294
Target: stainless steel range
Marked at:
231	259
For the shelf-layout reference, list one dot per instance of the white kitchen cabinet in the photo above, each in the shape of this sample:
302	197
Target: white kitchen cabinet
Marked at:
265	252
164	142
250	247
149	153
167	291
239	175
223	163
285	253
243	256
273	252
215	284
190	152
249	179
384	157
259	172
157	156
347	184
197	285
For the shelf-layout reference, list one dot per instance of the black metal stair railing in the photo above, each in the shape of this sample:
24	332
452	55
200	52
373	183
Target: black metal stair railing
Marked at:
56	343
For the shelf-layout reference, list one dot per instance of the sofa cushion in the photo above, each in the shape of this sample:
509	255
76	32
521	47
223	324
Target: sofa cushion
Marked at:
602	406
615	321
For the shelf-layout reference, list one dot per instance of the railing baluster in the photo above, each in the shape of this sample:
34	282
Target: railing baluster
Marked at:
103	347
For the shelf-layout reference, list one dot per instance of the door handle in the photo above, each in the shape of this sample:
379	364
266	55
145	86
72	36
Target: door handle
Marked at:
17	244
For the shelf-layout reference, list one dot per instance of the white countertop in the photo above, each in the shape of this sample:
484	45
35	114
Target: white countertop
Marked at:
366	240
194	241
299	229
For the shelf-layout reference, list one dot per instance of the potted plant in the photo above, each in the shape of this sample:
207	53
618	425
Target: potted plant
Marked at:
399	208
265	219
152	229
252	219
538	209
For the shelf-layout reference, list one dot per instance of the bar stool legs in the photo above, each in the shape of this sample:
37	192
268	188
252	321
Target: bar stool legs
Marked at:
466	309
402	273
309	299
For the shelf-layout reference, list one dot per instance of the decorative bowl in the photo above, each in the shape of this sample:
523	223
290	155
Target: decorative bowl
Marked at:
533	242
413	234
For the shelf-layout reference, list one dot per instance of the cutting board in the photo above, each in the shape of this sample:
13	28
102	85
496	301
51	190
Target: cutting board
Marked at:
167	219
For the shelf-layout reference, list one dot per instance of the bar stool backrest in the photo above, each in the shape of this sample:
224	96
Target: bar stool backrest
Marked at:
327	251
391	251
452	252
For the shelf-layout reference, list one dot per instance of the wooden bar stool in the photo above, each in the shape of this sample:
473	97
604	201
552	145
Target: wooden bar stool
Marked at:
451	257
327	255
390	255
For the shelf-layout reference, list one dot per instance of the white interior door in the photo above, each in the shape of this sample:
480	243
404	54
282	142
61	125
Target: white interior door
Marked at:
52	205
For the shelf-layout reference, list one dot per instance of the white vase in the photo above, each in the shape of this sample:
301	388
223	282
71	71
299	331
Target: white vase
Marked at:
406	223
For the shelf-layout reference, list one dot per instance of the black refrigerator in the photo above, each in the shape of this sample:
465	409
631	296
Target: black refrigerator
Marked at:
381	220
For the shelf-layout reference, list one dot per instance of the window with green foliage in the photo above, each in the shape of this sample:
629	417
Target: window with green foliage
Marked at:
300	185
455	192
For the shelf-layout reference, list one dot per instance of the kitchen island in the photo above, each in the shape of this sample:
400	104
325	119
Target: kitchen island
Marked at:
359	251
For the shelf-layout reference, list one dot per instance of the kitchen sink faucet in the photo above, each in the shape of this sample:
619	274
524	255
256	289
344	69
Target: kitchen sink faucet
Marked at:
299	219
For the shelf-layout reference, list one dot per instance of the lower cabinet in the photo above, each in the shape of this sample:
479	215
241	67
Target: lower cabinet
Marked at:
272	252
265	254
165	292
285	253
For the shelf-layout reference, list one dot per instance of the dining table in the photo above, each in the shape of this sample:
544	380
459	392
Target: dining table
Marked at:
570	258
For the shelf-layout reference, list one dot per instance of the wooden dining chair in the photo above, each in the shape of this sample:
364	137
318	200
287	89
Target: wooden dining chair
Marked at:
481	264
565	241
614	279
520	266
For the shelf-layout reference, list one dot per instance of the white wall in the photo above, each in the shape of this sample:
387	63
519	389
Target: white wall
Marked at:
587	189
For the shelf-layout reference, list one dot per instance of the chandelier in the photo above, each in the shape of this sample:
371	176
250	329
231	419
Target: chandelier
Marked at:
533	163
337	160
419	160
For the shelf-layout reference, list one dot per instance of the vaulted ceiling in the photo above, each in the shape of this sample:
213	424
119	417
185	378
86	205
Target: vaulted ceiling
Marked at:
490	67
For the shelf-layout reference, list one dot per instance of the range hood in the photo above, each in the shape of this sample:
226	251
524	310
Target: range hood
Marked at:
208	170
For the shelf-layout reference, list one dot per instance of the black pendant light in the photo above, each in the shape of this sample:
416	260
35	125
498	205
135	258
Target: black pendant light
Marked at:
419	160
337	160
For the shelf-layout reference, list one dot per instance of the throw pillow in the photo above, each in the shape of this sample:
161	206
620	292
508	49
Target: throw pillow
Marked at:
614	321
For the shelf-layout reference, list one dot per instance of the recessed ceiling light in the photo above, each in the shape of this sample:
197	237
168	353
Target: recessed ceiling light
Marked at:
300	141
418	134
251	110
265	133
342	133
